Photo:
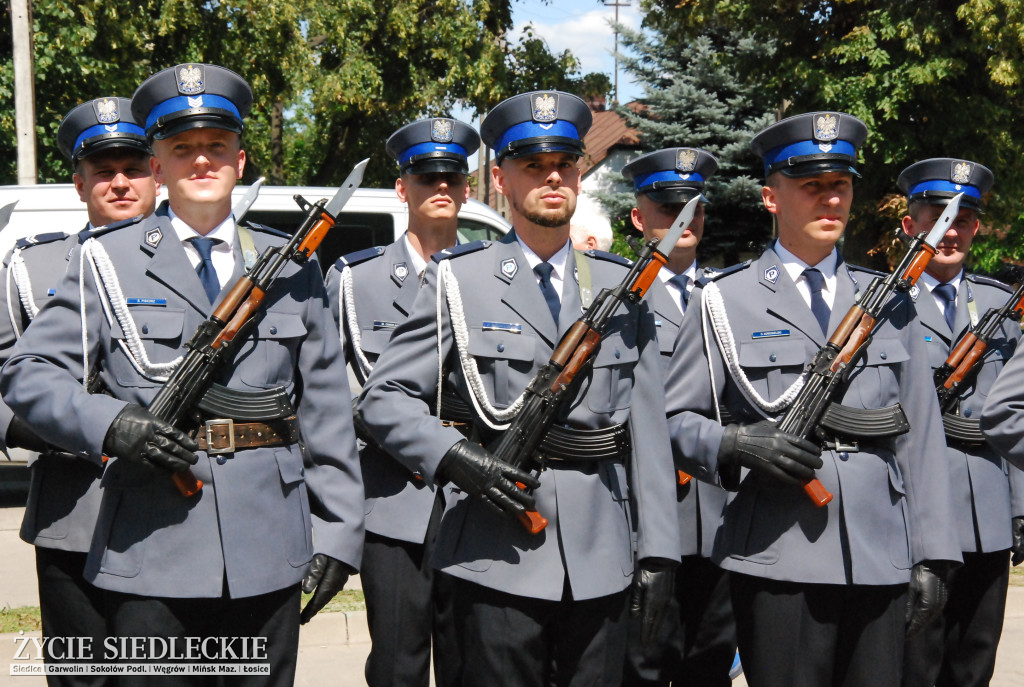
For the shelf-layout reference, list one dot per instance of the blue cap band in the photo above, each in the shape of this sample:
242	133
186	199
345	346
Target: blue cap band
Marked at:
532	129
101	129
666	175
943	185
430	147
801	148
180	104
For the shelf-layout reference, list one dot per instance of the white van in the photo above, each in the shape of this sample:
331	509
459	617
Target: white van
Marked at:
372	217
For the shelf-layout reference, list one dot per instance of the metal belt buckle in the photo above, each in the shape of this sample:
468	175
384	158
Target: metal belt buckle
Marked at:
210	424
841	447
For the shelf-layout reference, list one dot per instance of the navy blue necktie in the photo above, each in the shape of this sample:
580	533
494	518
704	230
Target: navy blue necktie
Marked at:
947	294
681	281
205	269
544	271
816	282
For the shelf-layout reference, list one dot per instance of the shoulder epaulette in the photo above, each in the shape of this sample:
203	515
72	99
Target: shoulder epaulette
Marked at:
989	281
40	239
356	257
610	257
732	269
868	270
459	250
106	228
267	230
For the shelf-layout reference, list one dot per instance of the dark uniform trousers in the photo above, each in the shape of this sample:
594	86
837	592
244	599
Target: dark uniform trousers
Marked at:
959	647
696	643
271	616
516	641
69	607
817	635
407	604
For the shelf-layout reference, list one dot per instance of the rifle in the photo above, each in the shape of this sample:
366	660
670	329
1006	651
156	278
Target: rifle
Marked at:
559	378
965	359
827	374
214	342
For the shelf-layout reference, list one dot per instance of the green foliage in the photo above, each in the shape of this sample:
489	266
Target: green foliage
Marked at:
930	79
693	98
331	80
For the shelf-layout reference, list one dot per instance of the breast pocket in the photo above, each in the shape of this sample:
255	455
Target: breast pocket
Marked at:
160	332
505	361
373	341
772	365
274	351
611	383
875	381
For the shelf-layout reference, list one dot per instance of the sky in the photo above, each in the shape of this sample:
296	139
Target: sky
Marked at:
583	27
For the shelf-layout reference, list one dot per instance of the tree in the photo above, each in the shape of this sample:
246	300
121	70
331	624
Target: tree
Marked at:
929	79
692	98
331	81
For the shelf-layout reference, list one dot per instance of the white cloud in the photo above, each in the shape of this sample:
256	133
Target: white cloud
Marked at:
585	29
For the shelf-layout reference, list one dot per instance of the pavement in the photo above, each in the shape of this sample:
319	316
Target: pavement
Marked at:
333	646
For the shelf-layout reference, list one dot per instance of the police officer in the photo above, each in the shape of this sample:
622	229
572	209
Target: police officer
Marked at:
371	292
698	638
959	648
543	608
819	593
227	561
110	155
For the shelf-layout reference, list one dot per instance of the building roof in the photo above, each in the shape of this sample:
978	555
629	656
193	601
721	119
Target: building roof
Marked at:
608	131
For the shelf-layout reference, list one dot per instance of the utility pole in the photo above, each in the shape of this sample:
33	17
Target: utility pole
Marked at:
24	91
616	4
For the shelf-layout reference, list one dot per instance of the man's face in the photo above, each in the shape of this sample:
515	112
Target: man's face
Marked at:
116	185
811	211
199	165
654	219
541	188
433	197
955	244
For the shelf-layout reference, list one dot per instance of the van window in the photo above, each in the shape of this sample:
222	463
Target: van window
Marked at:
472	230
354	231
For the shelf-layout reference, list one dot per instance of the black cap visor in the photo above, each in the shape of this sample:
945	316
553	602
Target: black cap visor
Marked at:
108	142
195	118
812	165
439	161
943	198
540	144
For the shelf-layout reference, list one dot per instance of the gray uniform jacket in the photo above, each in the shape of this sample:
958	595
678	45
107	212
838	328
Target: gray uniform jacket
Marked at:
510	336
981	481
64	493
700	503
252	526
398	502
891	505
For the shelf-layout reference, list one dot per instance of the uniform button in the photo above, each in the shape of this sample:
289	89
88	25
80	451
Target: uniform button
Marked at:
843	455
772	358
967	412
221	460
501	348
618	354
273	330
145	329
702	470
883	355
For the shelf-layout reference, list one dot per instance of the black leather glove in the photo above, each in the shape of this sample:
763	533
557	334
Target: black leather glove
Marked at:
327	576
653	587
139	436
764	448
1018	540
473	469
20	435
927	594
